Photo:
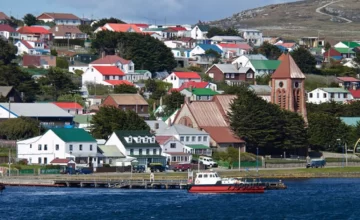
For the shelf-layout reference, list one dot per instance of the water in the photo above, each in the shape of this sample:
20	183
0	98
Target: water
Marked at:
304	199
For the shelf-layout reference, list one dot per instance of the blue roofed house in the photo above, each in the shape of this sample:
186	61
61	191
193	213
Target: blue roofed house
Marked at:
200	49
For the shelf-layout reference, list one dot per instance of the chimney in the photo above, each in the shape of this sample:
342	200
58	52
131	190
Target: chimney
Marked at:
103	54
154	106
169	122
161	101
56	28
156	125
236	66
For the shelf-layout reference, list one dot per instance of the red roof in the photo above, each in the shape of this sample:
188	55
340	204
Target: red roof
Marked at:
239	46
33	30
186	39
109	70
178	28
288	69
332	53
26	44
58	16
58	160
119	82
142	25
163	139
287	45
187	75
68	105
3	16
355	93
110	59
6	27
197	85
348	79
124	27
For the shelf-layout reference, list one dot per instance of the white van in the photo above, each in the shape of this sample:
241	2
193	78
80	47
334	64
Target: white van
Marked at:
207	161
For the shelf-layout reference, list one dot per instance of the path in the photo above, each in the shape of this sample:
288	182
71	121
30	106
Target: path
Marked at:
318	10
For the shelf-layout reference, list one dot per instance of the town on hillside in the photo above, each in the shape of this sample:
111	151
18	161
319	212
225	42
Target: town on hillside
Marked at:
77	92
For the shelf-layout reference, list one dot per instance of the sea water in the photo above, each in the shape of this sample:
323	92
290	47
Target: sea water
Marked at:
304	199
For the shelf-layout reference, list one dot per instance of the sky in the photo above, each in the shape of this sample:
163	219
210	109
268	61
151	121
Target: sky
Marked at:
131	11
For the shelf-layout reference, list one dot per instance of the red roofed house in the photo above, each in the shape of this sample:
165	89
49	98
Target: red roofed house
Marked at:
333	54
189	42
63	162
60	18
178	78
73	108
7	31
349	83
211	117
34	33
39	61
177	31
142	26
119	28
234	50
100	74
195	85
3	18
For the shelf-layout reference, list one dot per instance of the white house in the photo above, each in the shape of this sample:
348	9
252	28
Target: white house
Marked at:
174	43
226	39
60	18
199	32
234	50
31	48
173	150
101	74
244	59
178	78
201	49
252	37
62	143
7	31
72	108
321	95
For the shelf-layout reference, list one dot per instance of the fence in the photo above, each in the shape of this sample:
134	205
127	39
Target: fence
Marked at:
49	171
243	164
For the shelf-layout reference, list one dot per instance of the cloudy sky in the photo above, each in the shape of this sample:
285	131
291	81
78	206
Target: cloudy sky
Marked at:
159	11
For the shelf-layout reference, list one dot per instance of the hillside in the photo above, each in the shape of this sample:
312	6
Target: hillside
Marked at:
333	20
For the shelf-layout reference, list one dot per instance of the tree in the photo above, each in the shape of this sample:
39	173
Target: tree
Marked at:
327	46
87	29
109	119
72	98
172	102
144	50
263	80
7	52
98	89
13	22
53	52
104	21
294	130
29	19
270	51
304	59
214	31
150	85
125	88
212	53
20	128
62	63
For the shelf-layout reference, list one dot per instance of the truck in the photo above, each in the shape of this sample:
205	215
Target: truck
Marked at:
207	161
316	163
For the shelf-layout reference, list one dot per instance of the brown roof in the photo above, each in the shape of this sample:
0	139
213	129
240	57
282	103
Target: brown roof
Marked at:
57	16
287	68
62	30
5	90
224	101
222	135
59	160
29	60
110	59
128	99
3	16
163	139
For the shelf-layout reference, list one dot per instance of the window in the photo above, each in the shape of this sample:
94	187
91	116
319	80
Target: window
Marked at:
57	147
227	76
205	138
173	145
39	160
140	151
153	140
30	145
131	151
145	139
154	151
332	95
193	138
199	138
338	95
142	108
45	146
39	147
45	160
173	159
80	147
91	147
345	95
232	75
147	151
310	95
70	147
182	138
187	138
324	95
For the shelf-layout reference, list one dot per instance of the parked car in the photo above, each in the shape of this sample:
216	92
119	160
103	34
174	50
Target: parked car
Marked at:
71	171
156	167
182	167
207	161
139	169
316	163
84	171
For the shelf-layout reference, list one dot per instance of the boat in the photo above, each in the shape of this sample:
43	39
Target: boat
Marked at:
211	182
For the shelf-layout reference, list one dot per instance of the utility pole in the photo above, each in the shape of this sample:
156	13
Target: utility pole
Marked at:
9	161
239	159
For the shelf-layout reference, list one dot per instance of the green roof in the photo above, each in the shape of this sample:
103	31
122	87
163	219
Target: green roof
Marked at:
265	64
350	44
204	28
345	50
37	71
351	121
110	151
141	71
73	135
335	90
122	134
203	92
82	119
198	146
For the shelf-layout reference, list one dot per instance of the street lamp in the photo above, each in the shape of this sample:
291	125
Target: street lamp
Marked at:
257	160
343	149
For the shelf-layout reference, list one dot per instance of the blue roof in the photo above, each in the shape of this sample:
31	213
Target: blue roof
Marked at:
282	48
337	57
210	46
351	121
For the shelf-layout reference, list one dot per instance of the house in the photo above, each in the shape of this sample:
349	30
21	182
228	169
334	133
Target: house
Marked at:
8	32
83	121
347	44
31	48
332	53
102	75
262	67
321	95
156	125
226	39
199	85
232	74
119	28
288	46
211	117
311	42
112	155
346	52
181	53
73	108
172	32
262	91
9	93
48	114
157	30
355	94
39	61
60	143
201	49
234	50
244	59
3	18
173	150
178	78
252	37
185	140
198	32
125	102
63	162
351	63
174	44
199	93
349	83
34	34
188	41
67	32
141	26
139	144
60	18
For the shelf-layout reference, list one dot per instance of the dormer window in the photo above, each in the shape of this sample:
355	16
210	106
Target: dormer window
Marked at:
130	139
145	139
139	139
153	140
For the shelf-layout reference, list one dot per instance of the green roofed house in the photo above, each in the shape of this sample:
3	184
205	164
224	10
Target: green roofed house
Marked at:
199	93
321	95
139	144
142	75
83	121
262	67
347	44
60	143
346	52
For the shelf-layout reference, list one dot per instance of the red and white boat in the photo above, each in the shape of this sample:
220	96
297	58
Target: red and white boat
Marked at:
211	182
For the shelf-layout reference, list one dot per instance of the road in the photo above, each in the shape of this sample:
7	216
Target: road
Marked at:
318	10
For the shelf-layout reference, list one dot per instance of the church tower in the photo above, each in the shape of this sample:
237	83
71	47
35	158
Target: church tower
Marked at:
287	86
